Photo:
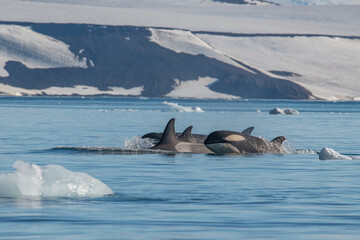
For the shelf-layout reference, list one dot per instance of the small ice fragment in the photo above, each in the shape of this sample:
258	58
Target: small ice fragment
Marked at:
283	111
49	181
331	154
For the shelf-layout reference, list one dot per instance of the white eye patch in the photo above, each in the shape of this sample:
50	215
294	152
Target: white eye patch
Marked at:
235	138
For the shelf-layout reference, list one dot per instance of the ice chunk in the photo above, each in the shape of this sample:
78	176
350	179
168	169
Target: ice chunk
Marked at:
331	154
49	181
283	111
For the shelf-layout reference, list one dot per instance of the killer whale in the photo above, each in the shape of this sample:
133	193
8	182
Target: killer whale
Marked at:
187	136
229	142
185	143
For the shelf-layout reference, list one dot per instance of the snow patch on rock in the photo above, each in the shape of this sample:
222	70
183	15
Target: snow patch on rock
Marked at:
181	41
197	89
34	50
327	66
68	91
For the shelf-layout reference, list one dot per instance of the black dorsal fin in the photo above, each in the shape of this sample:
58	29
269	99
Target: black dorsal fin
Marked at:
186	133
168	136
248	131
278	140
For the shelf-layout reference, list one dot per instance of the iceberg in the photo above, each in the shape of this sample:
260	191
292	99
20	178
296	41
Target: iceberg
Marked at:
49	181
283	111
330	154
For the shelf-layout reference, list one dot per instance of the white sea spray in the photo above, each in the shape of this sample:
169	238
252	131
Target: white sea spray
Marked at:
178	108
137	143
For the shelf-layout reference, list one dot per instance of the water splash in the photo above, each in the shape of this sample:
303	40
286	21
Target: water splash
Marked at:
178	108
137	142
289	149
49	181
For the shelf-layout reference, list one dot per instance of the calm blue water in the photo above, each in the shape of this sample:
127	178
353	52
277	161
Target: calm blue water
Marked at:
184	196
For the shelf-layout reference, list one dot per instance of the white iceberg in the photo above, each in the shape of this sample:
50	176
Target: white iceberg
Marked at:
331	154
49	181
283	111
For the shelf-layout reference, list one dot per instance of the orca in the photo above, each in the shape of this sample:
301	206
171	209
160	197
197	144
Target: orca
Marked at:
229	142
185	143
187	136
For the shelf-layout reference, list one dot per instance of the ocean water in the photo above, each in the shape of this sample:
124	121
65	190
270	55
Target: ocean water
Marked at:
64	173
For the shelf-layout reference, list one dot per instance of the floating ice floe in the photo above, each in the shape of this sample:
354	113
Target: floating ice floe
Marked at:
331	154
179	108
49	181
283	111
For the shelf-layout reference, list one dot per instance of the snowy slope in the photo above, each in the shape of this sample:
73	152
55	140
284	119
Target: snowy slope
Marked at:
186	42
194	15
141	61
197	89
316	2
68	91
162	3
325	64
328	67
34	50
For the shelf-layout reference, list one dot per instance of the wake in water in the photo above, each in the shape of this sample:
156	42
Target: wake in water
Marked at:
119	110
49	181
138	143
178	108
289	149
135	145
325	153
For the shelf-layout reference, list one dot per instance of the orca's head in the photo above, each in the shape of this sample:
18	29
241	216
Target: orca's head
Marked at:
223	142
279	140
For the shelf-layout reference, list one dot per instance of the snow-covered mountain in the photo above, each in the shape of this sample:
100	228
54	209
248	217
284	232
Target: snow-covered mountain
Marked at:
316	2
125	60
188	48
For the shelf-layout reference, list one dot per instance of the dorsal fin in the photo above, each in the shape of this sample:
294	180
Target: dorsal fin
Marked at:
168	135
278	140
248	131
186	133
